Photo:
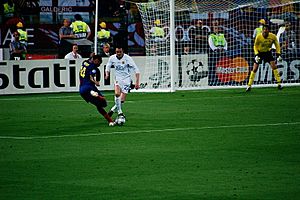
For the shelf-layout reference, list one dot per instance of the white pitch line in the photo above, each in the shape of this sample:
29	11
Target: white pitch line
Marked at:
55	99
147	131
143	100
44	97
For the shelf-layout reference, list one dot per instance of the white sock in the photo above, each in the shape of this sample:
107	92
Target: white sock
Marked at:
118	104
114	108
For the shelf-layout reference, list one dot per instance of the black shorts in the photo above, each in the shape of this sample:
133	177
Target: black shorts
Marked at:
265	56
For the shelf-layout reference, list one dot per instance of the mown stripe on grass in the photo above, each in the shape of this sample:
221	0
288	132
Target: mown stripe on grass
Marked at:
148	131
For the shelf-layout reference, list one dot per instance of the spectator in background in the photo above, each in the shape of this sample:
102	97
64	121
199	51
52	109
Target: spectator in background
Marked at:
157	33
74	53
16	48
9	14
80	29
259	29
201	37
157	38
23	34
217	41
105	51
215	23
103	35
288	42
218	48
8	8
65	32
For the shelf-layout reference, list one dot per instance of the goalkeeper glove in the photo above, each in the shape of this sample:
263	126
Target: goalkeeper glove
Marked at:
257	59
279	58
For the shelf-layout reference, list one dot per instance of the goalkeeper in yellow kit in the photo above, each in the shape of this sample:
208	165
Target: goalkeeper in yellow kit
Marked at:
262	50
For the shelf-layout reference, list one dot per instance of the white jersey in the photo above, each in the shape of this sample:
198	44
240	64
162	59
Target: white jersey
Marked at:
72	56
124	67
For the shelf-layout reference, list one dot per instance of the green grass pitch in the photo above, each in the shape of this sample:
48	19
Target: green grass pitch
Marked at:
202	145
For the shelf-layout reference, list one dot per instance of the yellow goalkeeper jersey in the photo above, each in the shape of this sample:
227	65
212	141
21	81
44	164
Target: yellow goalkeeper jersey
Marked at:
262	44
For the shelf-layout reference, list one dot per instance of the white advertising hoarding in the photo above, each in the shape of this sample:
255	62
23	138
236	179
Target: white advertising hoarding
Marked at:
60	75
46	76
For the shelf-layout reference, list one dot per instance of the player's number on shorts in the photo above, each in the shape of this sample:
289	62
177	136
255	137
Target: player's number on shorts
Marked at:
82	71
126	88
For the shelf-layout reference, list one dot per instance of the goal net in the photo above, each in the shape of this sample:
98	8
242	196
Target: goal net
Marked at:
214	40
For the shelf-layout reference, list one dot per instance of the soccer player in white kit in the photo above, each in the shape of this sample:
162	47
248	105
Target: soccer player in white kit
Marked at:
124	67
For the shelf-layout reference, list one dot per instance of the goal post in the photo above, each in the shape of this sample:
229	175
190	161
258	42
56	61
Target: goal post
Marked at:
196	44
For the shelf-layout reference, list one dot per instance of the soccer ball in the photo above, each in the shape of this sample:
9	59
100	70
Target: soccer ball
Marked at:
120	120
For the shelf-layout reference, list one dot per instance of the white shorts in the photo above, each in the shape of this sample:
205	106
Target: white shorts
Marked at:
124	85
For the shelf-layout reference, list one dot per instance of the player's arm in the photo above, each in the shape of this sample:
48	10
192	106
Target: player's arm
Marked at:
256	45
107	68
152	30
107	72
226	44
12	48
136	71
24	49
211	43
277	45
62	36
88	31
93	77
106	75
254	34
15	49
137	80
256	50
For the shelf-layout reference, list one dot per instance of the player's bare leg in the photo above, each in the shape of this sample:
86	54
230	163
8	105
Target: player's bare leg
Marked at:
117	107
123	98
117	99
